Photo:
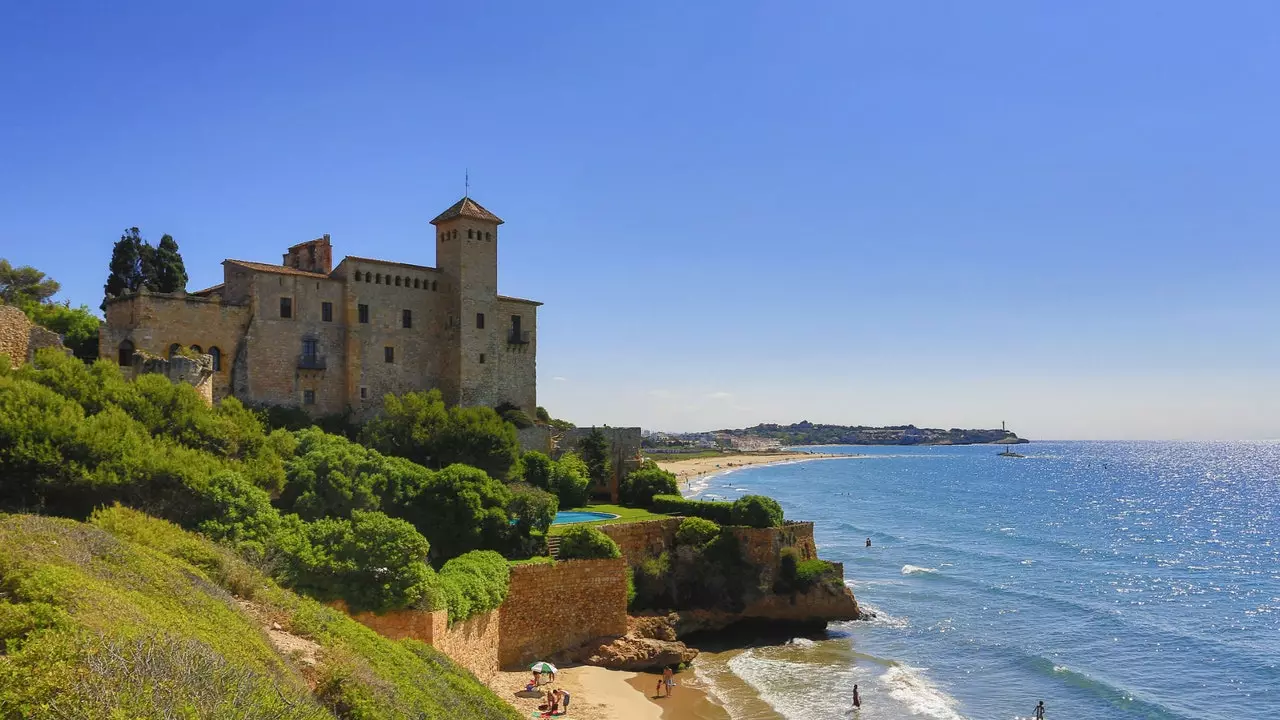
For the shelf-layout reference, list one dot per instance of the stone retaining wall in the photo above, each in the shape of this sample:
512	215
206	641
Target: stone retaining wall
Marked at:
642	540
472	643
553	607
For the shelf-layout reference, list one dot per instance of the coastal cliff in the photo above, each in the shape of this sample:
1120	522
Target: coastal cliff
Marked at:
807	433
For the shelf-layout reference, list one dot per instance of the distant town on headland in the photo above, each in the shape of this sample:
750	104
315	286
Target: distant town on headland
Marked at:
766	436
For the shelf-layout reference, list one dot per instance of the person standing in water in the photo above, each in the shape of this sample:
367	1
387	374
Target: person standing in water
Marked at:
1039	711
857	701
868	542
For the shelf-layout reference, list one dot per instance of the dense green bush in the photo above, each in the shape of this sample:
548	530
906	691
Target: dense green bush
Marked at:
419	427
538	470
572	481
796	575
757	511
371	561
639	487
696	531
474	583
584	542
532	509
459	508
720	512
811	572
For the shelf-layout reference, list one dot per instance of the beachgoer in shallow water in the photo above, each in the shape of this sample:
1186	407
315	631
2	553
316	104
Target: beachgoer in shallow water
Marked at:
857	701
1039	712
668	679
868	542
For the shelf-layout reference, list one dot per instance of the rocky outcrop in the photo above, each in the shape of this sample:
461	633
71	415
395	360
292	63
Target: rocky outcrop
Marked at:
650	644
814	608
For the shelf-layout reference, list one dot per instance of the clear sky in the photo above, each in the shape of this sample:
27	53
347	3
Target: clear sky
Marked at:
1060	215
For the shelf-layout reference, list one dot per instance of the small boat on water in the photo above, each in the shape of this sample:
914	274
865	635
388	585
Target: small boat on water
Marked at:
1009	453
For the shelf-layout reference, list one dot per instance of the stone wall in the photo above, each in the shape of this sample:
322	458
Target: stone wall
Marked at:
553	607
472	643
15	334
196	372
642	540
762	547
537	438
624	445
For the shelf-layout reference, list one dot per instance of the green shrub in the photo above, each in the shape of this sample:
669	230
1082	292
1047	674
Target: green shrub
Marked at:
572	481
419	427
639	487
474	583
587	543
371	561
532	509
757	511
539	470
720	512
788	565
696	531
811	572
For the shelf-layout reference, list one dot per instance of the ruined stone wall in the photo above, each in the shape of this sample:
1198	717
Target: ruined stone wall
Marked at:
624	445
762	547
154	322
472	643
15	334
642	540
552	607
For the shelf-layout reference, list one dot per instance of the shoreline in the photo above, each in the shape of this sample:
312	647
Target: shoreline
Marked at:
695	468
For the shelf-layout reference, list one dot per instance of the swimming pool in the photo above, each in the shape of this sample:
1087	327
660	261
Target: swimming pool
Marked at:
568	517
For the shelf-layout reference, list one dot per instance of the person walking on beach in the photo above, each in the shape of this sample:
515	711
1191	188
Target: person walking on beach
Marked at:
668	680
1039	711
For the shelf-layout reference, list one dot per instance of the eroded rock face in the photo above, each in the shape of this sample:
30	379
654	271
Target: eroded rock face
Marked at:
632	652
820	605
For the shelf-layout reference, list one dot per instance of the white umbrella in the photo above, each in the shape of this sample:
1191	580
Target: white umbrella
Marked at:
543	667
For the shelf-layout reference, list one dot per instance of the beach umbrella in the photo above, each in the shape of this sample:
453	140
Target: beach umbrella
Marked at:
543	667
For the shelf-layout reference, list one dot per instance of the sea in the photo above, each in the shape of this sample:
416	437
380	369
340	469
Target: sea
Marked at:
1107	579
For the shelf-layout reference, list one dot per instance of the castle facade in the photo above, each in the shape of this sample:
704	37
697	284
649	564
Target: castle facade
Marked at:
327	339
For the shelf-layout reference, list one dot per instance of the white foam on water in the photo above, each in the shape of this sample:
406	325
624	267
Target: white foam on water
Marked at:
881	619
916	569
910	687
797	690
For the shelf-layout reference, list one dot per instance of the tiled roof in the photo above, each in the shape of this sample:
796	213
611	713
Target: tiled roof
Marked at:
389	262
280	269
208	290
466	207
519	300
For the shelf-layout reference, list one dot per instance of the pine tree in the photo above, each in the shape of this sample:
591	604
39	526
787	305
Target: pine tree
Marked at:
126	265
170	275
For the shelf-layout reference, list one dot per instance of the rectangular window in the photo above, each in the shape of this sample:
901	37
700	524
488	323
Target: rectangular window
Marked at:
389	354
481	358
286	307
310	347
406	319
308	397
364	313
326	312
364	393
480	321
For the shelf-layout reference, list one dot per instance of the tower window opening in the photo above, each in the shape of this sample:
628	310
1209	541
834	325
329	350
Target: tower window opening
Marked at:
479	321
397	281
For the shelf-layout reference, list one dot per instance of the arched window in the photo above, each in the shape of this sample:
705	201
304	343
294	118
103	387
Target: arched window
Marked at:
377	279
416	284
126	353
397	281
196	349
358	276
433	284
173	349
217	358
488	236
368	277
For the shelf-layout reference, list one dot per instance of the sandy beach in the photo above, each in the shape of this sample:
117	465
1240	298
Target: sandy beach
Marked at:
697	467
600	694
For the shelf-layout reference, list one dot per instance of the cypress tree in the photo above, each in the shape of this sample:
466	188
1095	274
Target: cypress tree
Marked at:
126	265
146	266
170	275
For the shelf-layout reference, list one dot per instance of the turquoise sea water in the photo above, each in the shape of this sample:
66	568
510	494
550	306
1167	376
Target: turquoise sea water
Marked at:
1111	580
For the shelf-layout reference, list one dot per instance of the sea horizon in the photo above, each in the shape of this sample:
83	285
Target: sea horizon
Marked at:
1103	577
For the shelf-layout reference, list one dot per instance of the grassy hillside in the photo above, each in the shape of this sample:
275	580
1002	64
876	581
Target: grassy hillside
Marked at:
127	616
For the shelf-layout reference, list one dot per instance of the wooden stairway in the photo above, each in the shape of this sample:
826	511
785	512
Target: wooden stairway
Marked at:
553	546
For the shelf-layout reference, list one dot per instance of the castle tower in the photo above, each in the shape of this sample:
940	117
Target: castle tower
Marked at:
467	257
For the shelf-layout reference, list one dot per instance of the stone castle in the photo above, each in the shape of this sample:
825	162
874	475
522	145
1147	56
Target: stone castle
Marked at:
326	339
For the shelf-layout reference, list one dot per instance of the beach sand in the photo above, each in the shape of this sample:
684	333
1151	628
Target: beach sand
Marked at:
600	694
697	467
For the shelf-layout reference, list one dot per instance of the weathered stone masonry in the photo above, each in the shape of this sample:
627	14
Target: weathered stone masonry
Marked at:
326	339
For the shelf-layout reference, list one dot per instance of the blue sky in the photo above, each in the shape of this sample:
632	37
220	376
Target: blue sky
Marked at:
1059	215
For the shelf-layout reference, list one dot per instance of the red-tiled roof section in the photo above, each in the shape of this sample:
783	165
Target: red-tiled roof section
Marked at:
389	262
466	207
280	269
208	290
519	300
